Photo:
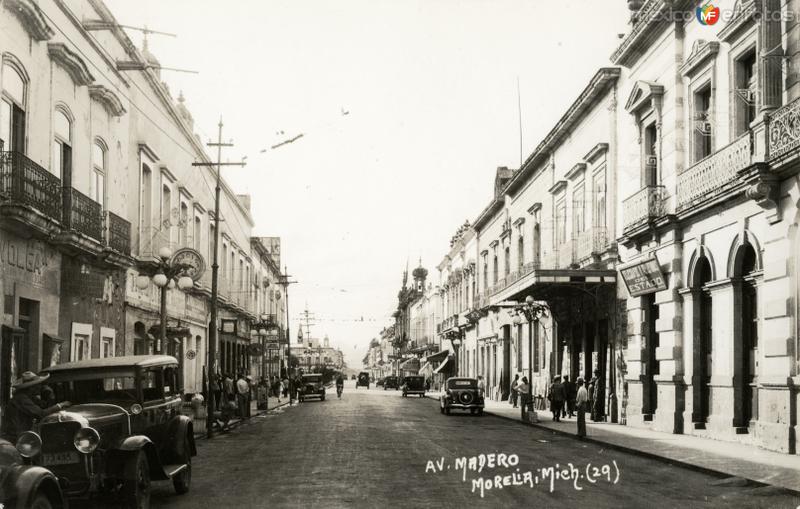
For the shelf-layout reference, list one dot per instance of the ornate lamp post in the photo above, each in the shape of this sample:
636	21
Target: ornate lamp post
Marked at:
180	269
262	329
533	311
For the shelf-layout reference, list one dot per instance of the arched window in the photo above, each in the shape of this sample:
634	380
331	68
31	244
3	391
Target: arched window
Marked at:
12	109
183	225
97	186
62	146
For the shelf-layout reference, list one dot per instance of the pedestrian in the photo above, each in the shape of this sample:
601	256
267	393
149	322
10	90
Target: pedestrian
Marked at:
228	387
523	388
481	386
279	389
242	391
572	391
514	394
285	387
428	384
557	398
22	410
216	392
595	397
581	401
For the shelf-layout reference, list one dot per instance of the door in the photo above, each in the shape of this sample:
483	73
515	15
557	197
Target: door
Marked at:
505	378
750	353
650	389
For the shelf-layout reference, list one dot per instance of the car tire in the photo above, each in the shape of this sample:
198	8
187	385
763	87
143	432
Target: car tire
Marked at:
41	502
322	398
136	484
183	481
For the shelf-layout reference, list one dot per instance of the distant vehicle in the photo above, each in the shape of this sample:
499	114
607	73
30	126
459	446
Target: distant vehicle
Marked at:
123	430
391	382
461	394
312	387
26	485
363	380
414	384
352	377
379	383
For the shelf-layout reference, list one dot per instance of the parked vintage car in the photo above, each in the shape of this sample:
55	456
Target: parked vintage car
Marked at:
413	384
312	387
26	486
363	380
461	394
123	431
391	382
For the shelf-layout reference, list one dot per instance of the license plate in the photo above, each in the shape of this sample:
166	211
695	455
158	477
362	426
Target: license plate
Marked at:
60	458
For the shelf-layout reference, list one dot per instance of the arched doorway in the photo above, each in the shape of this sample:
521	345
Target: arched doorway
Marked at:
745	376
703	344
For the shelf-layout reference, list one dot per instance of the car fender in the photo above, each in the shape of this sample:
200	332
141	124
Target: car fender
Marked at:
30	481
180	426
128	448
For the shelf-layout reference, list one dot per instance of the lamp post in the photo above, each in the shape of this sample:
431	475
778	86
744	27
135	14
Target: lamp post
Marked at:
262	329
533	311
456	341
167	274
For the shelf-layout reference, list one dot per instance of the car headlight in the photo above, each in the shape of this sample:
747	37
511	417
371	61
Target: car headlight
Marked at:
86	440
29	444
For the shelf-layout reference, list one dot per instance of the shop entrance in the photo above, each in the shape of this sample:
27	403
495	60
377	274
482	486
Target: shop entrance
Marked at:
703	334
24	345
650	364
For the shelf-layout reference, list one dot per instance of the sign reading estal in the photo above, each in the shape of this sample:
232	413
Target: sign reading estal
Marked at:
644	277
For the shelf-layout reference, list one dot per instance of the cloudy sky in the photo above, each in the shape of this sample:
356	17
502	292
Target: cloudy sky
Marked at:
431	91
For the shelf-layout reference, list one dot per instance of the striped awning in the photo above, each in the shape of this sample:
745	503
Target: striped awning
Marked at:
442	366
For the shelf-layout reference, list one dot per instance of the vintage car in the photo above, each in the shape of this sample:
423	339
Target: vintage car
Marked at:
413	384
312	387
363	380
22	485
123	430
391	382
461	394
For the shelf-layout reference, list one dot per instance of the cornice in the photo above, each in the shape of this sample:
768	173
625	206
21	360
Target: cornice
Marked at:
642	94
595	152
702	52
31	18
559	186
144	147
71	62
197	205
745	15
650	17
184	191
576	171
519	221
536	207
108	99
165	171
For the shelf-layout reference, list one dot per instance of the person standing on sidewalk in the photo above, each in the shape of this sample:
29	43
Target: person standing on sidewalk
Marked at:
481	386
514	394
524	390
557	398
242	393
581	400
572	391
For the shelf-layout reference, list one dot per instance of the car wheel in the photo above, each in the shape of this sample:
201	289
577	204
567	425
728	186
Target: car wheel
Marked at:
447	411
183	480
322	398
472	411
136	486
41	502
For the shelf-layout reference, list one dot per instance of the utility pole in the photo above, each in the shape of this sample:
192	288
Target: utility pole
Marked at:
212	328
285	282
309	320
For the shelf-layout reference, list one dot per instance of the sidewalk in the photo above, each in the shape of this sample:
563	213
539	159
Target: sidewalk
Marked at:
200	425
730	459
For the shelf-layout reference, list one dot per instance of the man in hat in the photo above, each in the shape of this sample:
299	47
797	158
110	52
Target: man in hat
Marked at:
22	410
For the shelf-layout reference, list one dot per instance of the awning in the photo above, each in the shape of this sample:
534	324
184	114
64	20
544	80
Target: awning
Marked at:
442	365
437	357
426	366
410	364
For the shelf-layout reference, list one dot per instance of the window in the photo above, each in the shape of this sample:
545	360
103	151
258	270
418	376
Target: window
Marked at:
153	384
147	202
579	214
107	337
507	261
211	241
81	341
600	199
537	239
485	272
745	98
703	126
650	139
495	270
12	109
62	146
166	198
183	225
520	253
97	185
197	232
561	223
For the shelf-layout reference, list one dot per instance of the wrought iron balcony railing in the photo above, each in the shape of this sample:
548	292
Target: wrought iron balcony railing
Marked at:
591	241
784	130
710	177
83	214
644	205
118	233
25	182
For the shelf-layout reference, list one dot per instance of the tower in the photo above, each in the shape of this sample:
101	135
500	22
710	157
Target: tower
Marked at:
420	274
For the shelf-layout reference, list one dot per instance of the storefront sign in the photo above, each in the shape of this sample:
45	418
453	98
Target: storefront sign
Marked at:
29	261
644	277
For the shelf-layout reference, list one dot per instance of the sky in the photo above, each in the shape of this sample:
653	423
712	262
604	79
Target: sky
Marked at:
430	92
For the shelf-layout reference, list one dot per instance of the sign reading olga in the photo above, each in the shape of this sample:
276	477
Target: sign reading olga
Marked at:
643	277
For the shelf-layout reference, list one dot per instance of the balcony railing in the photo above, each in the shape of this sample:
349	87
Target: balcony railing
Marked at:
591	241
83	214
646	204
784	130
26	182
710	177
448	323
118	233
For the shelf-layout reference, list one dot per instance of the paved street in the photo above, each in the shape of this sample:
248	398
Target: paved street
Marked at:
371	448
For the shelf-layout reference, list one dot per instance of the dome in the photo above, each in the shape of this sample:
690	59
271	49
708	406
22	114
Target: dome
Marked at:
183	111
420	273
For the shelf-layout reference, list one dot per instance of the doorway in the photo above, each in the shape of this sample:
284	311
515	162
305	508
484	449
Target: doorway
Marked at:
24	344
649	386
505	379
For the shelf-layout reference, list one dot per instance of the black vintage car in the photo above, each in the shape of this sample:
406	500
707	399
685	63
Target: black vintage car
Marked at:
461	394
363	380
391	382
312	387
414	384
123	431
26	486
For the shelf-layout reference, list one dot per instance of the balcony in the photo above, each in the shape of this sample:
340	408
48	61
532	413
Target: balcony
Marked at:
118	234
713	176
645	205
593	241
24	182
82	214
784	130
447	324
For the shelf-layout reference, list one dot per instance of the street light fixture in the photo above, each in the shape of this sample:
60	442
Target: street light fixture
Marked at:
533	311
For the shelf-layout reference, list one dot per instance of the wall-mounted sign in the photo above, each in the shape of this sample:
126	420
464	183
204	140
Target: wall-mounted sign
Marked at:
190	354
644	277
228	326
192	260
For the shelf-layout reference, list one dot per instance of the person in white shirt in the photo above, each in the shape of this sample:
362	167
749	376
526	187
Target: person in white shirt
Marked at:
481	386
582	402
524	390
242	399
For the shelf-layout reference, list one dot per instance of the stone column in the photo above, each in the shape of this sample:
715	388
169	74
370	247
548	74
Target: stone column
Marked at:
633	359
692	357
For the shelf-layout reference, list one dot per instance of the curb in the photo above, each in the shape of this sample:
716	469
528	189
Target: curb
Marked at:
203	435
637	452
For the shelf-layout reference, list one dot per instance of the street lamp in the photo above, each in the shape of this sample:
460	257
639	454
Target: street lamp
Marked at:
456	341
167	274
262	329
533	311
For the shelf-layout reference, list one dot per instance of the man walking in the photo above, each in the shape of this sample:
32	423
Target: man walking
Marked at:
242	392
514	394
581	400
481	386
524	390
572	391
558	396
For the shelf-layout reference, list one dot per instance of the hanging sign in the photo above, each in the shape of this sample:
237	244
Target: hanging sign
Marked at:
643	277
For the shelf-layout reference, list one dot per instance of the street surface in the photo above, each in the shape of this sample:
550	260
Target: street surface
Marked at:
372	449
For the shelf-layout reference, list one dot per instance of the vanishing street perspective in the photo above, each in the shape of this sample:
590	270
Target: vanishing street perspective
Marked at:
538	254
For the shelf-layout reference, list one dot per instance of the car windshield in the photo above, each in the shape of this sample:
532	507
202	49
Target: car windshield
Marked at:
312	379
462	384
117	389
